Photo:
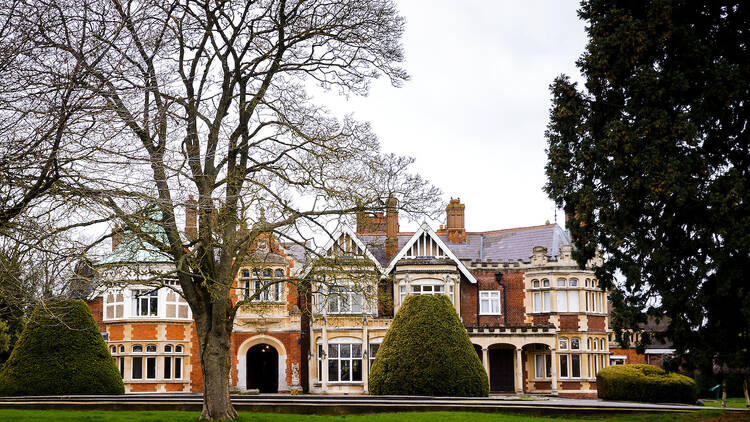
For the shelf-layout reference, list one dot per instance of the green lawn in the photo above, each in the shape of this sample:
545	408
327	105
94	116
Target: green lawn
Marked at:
735	402
11	415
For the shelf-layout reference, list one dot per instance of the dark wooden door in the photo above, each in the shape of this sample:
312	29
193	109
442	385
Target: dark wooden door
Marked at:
501	370
263	368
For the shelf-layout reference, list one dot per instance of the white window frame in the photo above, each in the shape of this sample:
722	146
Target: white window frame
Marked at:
141	296
490	298
270	285
418	288
543	362
343	300
113	305
339	344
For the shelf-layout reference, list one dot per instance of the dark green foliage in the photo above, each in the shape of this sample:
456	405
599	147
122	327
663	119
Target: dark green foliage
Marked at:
646	383
60	352
651	162
427	352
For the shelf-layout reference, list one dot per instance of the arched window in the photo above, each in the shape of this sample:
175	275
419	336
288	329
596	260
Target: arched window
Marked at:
122	349
151	348
575	343
535	283
601	344
137	363
137	348
563	343
595	344
588	344
113	349
245	273
168	348
573	282
560	282
545	283
279	273
267	272
178	349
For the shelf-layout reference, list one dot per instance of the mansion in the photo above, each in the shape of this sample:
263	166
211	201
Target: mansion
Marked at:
538	322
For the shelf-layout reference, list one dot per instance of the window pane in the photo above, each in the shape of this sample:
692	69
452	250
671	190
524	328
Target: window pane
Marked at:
333	351
564	366
374	350
357	370
545	283
154	304
137	368
573	300
538	366
548	366
356	303
537	302
333	370
575	343
545	301
573	282
485	306
345	350
564	343
562	302
575	363
346	370
151	368
560	282
137	348
496	305
279	273
167	367
177	368
356	350
122	367
535	283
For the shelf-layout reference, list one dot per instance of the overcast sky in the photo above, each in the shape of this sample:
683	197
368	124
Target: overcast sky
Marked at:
475	110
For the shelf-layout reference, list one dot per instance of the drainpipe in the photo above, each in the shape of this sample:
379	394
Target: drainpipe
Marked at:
499	279
477	303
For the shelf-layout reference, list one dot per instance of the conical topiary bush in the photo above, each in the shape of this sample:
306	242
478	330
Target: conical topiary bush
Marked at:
60	352
427	352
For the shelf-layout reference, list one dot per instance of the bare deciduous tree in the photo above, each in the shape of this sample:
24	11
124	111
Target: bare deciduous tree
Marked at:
209	99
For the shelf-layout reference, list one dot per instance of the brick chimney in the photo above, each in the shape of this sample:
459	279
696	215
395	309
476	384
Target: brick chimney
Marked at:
391	228
116	236
191	219
455	225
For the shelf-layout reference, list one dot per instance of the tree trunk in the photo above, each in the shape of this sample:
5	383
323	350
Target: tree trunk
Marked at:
744	388
215	365
724	392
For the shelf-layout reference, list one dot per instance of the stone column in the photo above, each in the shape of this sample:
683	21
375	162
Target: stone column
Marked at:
553	370
324	360
365	355
486	360
519	371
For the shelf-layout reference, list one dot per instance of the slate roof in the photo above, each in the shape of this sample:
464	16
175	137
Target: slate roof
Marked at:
496	245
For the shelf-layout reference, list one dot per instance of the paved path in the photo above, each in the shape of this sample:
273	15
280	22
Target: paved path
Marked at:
351	404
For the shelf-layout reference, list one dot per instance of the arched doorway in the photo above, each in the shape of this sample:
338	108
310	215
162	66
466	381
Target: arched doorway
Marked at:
263	368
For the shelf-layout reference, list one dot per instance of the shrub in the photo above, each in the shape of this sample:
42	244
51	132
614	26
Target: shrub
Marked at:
646	383
427	352
60	352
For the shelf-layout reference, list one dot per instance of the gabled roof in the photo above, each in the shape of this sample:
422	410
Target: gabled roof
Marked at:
426	229
510	244
341	231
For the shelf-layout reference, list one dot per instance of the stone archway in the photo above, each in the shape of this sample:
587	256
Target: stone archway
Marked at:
263	368
242	360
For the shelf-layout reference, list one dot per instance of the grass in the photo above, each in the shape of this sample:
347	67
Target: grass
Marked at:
735	402
13	415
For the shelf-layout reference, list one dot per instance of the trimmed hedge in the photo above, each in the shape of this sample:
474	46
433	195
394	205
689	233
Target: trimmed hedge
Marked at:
60	352
645	383
427	352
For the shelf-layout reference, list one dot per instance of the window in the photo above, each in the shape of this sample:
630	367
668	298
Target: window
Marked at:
172	362
601	344
344	362
562	301
373	351
573	282
114	304
563	366
151	362
137	363
146	302
560	282
535	283
344	300
489	302
545	283
575	343
573	301
541	301
268	288
563	343
177	307
543	365
575	365
427	289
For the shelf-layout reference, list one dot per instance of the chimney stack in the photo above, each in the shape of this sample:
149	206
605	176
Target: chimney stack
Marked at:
455	225
191	219
116	236
391	228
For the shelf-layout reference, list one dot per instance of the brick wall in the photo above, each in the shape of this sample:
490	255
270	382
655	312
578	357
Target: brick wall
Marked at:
514	295
292	346
569	322
97	310
596	323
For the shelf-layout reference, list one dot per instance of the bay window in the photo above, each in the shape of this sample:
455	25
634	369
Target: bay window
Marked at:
344	362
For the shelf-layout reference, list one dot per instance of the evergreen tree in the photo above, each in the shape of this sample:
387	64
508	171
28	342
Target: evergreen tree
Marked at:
651	162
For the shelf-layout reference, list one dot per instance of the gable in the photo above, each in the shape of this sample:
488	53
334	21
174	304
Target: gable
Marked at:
345	244
426	243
